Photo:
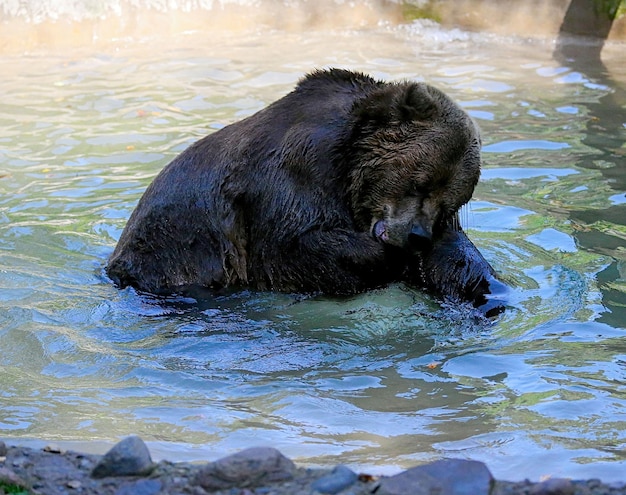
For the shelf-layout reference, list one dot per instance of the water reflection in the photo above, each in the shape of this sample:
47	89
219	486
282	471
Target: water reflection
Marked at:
605	137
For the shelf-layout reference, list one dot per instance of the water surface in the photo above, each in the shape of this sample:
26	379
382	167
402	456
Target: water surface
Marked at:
381	381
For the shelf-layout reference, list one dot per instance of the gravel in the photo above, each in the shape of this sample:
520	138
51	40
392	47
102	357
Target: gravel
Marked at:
127	469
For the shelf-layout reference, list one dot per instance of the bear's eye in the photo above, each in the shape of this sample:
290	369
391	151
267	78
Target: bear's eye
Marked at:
445	219
417	192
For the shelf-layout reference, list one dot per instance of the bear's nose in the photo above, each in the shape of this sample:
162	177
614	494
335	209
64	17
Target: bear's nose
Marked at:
420	238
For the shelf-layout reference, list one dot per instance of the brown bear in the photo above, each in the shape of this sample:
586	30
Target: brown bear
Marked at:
343	185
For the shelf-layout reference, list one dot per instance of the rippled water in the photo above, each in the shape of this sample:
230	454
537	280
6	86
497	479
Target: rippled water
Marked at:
383	380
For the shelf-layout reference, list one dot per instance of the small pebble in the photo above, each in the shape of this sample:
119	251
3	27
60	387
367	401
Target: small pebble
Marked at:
594	483
52	448
74	484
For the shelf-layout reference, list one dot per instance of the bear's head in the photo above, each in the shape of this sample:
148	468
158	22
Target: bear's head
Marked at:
415	161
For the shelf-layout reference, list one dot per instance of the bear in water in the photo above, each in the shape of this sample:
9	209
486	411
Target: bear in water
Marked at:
343	185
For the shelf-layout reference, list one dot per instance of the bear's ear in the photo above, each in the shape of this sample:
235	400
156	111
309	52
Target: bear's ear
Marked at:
375	108
399	103
415	103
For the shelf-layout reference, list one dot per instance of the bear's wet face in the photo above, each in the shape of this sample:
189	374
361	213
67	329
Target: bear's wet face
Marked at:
415	203
418	169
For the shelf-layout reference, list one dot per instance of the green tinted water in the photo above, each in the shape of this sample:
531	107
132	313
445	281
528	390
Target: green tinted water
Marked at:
383	380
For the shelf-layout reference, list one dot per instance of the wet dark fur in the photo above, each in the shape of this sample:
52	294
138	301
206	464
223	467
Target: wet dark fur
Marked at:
287	199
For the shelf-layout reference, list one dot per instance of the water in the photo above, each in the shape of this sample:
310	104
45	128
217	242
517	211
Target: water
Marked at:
380	381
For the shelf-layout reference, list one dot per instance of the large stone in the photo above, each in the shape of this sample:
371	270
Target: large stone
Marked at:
250	467
130	457
51	467
445	477
553	486
140	487
338	479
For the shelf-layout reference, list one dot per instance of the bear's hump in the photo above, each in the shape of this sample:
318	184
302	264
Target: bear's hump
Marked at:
334	76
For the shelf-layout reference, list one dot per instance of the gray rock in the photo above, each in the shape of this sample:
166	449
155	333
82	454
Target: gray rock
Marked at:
140	487
74	484
554	486
52	448
3	449
55	468
445	477
130	457
339	479
250	467
8	477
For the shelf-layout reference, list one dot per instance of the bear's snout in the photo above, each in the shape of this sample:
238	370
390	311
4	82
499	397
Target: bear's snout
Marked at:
420	238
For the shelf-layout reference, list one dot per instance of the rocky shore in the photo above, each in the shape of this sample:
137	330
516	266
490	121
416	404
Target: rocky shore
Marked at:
128	469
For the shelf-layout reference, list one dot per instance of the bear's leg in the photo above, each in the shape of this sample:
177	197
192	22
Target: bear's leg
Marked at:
455	270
